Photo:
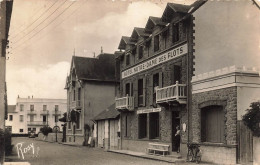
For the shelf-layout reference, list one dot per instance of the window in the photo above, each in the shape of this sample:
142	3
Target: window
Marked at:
78	121
156	43
21	118
129	89
10	117
44	118
127	126
29	129
21	130
140	52
74	95
157	83
31	118
127	59
79	93
141	92
142	126
55	118
21	107
175	32
31	107
44	107
176	74
69	126
34	129
212	124
56	107
154	125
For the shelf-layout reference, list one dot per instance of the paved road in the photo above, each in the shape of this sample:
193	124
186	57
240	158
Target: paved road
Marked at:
58	154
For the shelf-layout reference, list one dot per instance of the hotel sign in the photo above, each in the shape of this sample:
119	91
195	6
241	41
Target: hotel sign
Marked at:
149	110
181	50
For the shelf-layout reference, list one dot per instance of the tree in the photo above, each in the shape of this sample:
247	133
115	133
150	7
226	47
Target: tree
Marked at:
252	118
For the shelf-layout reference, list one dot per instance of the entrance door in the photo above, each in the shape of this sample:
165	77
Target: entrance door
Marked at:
175	123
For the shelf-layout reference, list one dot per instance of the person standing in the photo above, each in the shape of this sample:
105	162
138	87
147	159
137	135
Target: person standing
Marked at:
177	138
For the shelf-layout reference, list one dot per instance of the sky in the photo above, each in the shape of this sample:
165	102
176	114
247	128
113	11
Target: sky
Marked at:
44	34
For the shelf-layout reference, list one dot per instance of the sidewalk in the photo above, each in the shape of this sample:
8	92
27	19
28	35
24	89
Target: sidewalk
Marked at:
175	159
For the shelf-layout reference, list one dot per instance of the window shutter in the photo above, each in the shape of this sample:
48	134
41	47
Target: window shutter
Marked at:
135	93
160	80
124	90
131	89
144	90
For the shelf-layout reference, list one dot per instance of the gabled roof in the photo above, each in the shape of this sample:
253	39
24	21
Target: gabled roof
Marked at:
139	32
109	113
101	68
11	108
124	41
173	8
154	21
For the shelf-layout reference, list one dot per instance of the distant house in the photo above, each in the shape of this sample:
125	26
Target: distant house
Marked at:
30	114
107	128
90	89
11	114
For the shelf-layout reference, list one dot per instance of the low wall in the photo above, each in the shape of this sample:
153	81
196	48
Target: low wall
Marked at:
51	137
79	139
218	154
256	150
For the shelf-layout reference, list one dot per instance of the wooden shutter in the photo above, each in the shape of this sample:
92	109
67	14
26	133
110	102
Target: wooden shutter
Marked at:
144	90
131	89
160	79
135	93
124	89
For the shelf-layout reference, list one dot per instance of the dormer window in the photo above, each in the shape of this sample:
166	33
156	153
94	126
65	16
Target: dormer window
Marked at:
140	52
175	32
127	59
156	43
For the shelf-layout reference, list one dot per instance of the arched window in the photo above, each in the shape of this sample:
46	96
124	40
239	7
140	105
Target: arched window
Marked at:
212	124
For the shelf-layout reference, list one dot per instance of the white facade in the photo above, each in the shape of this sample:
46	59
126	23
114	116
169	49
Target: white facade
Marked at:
34	113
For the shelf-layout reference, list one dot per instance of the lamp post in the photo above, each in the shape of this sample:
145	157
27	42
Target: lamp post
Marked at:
56	123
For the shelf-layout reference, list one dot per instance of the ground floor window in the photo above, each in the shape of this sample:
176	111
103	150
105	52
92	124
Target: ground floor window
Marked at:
212	124
154	125
29	129
69	125
142	125
78	121
21	130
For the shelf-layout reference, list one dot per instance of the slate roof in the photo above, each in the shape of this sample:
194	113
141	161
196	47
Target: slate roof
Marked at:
153	21
101	68
11	108
139	32
109	113
124	40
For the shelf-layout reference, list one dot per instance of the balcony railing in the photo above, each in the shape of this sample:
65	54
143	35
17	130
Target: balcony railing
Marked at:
176	92
29	112
36	123
125	103
44	112
56	113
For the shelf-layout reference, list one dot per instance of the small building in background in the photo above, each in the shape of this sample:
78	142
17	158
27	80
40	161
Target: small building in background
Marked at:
31	114
11	118
107	129
90	89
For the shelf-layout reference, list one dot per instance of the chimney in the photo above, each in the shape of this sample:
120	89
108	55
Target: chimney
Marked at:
32	96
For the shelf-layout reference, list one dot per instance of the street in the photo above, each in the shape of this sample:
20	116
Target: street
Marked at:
58	154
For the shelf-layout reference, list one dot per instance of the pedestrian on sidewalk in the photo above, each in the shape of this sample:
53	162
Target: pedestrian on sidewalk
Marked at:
177	138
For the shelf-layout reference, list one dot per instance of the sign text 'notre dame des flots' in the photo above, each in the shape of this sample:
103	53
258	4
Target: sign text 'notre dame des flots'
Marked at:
169	55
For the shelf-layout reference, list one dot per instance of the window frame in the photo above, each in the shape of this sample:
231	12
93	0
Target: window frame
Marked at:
156	43
10	117
21	118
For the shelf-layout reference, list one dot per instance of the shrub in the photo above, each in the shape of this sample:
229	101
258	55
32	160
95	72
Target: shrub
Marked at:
252	118
46	130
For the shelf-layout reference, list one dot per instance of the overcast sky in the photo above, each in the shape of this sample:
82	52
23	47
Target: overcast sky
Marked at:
44	34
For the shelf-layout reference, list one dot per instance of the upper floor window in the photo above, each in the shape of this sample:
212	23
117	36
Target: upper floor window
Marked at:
44	107
79	93
56	107
127	59
175	33
74	95
140	52
176	74
129	89
31	107
156	43
78	121
10	117
21	118
21	107
141	92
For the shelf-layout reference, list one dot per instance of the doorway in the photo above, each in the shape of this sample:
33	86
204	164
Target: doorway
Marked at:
175	123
